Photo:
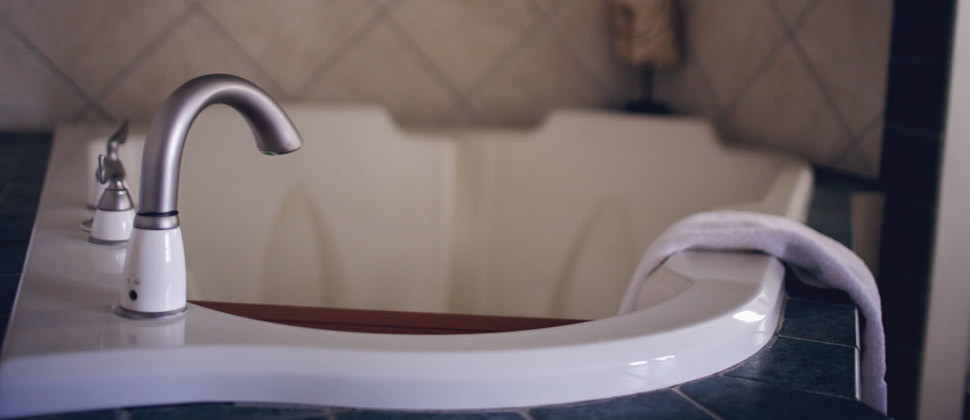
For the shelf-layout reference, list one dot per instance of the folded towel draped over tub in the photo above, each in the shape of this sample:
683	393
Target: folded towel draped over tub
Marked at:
814	258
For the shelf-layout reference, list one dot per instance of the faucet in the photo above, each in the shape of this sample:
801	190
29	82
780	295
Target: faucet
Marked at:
155	264
112	221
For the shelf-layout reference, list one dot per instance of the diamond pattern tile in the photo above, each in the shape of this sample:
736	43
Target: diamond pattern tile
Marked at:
94	40
193	49
543	75
22	76
686	89
806	76
791	10
802	75
785	109
848	45
863	156
424	59
854	161
732	40
594	46
290	39
381	69
479	33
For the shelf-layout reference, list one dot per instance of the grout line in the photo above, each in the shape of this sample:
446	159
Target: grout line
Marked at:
914	132
697	404
239	49
45	60
790	31
814	301
857	141
558	33
789	387
815	341
706	80
772	55
745	89
873	122
851	149
328	64
149	49
502	60
494	69
868	166
428	64
796	25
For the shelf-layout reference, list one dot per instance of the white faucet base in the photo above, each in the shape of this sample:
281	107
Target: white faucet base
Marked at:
112	226
154	272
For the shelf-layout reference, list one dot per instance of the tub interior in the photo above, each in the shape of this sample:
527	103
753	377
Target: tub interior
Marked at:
548	222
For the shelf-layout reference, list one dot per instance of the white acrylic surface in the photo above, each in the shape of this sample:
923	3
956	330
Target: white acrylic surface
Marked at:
549	222
114	226
65	350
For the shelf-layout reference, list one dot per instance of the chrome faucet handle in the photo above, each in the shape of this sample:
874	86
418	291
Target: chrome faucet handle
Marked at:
119	137
109	164
113	219
115	197
109	170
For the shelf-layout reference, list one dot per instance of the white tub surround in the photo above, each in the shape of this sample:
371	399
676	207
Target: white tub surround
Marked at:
405	222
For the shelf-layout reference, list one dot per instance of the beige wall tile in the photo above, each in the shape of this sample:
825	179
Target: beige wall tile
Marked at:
380	69
291	39
685	90
541	77
587	27
465	37
792	9
816	98
31	96
92	40
193	49
551	5
848	44
854	162
731	39
870	144
784	109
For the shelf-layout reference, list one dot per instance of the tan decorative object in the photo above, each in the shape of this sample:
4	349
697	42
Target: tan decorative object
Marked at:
646	32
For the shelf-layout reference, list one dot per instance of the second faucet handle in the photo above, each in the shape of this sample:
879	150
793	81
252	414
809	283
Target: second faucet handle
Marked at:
112	222
109	164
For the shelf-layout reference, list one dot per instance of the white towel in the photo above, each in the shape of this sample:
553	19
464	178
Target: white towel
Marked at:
815	258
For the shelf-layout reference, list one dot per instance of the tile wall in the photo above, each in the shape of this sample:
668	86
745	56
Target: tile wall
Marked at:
808	76
428	61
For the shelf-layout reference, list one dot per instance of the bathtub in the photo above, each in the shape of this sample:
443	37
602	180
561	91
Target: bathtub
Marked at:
546	222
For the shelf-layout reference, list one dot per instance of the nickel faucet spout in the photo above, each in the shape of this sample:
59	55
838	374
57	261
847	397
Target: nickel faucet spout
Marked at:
155	263
162	158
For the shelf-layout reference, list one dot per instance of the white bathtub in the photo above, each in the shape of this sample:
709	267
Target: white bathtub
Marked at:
547	222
